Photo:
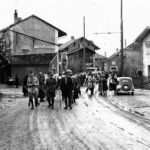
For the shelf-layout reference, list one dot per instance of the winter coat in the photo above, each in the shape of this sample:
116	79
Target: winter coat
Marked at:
33	84
50	86
66	88
112	83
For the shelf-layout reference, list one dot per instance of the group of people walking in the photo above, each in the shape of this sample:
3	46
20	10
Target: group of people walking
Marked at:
41	87
106	82
44	87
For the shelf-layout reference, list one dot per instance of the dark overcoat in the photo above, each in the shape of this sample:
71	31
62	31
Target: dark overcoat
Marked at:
50	86
66	88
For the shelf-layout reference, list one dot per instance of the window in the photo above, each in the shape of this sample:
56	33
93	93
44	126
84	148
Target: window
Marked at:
147	43
113	68
25	50
113	62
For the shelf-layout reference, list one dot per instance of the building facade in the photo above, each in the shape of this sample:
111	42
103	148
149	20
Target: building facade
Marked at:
144	41
132	60
33	38
101	62
78	55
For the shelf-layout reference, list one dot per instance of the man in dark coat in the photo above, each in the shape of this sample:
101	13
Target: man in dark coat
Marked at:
66	87
113	83
25	87
50	89
75	88
41	79
16	81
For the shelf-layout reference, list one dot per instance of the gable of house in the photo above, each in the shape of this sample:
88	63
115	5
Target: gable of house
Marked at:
76	44
34	27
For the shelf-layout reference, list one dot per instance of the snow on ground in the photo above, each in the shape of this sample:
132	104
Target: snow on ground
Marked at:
139	103
92	124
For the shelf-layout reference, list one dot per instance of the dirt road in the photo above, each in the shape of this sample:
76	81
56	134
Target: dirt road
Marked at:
92	124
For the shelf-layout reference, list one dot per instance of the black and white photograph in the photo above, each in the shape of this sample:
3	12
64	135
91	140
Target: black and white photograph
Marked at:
74	75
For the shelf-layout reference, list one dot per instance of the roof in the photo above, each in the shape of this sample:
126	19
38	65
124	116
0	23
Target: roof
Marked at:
32	59
98	56
65	45
60	32
143	34
113	55
62	47
133	46
121	78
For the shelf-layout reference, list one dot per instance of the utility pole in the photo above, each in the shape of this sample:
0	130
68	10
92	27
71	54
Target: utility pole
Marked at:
84	44
121	28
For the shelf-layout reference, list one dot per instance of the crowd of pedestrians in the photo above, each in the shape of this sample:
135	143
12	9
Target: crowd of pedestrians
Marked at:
40	86
106	81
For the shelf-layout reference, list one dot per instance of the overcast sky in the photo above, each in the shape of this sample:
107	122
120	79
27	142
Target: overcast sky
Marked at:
100	16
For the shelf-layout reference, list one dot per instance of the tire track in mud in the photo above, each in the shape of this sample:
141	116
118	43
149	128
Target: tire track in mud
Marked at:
94	139
60	130
34	128
15	128
43	131
67	125
20	135
105	136
142	121
79	128
134	139
83	126
57	130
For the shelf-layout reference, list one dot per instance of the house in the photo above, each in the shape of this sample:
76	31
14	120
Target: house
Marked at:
132	60
114	62
144	41
33	45
101	62
71	55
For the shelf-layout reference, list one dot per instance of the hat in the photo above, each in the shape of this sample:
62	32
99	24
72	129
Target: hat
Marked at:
69	72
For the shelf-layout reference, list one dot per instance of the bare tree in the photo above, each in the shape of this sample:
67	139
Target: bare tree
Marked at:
5	45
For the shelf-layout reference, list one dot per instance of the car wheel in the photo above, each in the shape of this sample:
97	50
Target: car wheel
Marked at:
132	93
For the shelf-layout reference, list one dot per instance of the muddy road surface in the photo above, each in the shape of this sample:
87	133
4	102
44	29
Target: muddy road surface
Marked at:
92	124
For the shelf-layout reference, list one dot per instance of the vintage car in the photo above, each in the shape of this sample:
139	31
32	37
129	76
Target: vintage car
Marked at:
125	86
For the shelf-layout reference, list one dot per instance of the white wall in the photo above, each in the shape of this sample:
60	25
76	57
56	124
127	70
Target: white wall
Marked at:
56	40
146	56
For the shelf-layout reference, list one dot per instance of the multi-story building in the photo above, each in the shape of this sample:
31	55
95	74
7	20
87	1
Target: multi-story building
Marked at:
144	41
33	44
78	55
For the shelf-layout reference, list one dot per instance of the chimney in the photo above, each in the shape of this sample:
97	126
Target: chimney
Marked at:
72	37
15	17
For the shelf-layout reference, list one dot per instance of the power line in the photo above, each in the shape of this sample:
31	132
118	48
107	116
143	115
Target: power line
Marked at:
107	33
